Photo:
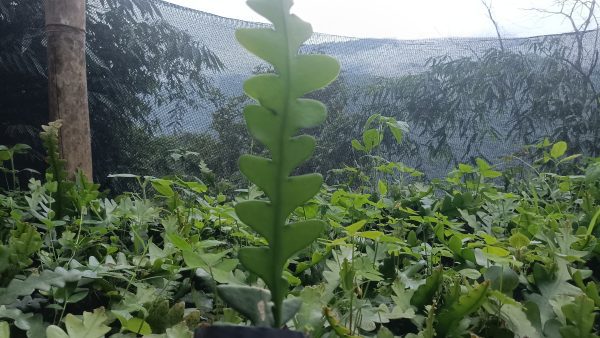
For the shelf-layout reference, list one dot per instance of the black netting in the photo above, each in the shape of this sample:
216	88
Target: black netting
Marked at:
166	91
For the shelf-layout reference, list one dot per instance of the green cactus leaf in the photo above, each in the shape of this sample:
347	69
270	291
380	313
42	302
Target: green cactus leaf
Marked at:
258	215
297	236
281	112
254	260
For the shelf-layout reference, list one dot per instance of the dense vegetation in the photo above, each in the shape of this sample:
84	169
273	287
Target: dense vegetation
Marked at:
458	107
125	40
491	250
486	252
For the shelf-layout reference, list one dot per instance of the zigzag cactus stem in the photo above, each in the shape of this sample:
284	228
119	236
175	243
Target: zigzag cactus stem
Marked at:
280	113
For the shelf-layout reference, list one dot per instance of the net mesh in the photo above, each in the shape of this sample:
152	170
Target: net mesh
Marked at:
462	97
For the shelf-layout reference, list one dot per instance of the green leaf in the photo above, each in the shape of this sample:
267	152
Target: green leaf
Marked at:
518	240
517	321
470	273
465	168
4	329
297	236
371	139
91	326
54	331
137	325
179	331
163	187
384	332
20	148
580	318
352	229
453	312
32	323
398	128
310	316
281	112
502	278
382	187
455	244
558	149
496	251
425	293
357	145
347	274
203	260
179	242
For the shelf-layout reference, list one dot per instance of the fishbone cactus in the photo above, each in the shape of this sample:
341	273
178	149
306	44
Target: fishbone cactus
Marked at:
275	121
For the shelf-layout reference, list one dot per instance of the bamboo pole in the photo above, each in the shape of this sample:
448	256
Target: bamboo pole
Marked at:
67	81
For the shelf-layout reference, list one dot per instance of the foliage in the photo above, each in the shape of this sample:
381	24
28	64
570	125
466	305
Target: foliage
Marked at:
125	40
281	113
485	252
542	88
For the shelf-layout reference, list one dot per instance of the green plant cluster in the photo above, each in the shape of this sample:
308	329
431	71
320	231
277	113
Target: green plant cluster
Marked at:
506	250
484	252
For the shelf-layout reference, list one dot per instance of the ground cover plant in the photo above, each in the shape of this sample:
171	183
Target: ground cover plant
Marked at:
484	252
492	250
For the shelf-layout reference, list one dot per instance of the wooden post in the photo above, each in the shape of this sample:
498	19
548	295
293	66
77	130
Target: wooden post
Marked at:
67	81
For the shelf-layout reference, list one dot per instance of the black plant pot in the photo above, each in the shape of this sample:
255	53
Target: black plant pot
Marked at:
244	332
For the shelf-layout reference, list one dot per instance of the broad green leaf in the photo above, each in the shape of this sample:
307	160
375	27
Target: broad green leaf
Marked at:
163	187
382	187
452	313
90	326
517	321
502	278
398	128
384	333
425	293
372	235
371	139
455	244
203	260
465	168
470	273
352	229
54	331
518	240
310	316
33	324
558	149
179	242
496	251
137	325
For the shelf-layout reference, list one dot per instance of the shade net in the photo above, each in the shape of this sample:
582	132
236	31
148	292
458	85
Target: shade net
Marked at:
166	92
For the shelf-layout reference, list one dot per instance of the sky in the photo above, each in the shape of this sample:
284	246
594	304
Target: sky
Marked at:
406	19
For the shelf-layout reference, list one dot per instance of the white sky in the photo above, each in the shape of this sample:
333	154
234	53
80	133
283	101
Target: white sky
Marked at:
406	19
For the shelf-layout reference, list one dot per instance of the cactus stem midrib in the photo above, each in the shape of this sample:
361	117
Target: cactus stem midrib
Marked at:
281	176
